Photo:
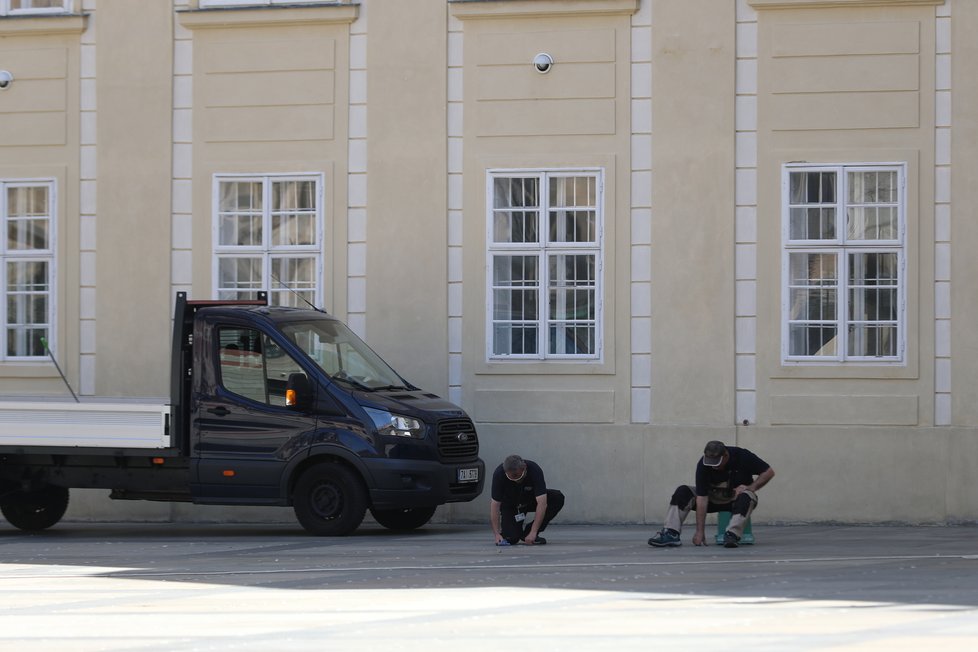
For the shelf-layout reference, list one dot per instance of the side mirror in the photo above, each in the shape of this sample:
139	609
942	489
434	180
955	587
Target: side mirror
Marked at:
298	392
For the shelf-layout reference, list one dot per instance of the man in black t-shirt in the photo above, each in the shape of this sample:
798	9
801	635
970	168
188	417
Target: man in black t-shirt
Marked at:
518	487
727	480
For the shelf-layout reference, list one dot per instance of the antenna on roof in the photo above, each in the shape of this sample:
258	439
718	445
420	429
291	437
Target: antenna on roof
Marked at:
304	300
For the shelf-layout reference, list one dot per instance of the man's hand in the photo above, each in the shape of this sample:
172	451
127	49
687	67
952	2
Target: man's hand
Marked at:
499	538
699	539
741	489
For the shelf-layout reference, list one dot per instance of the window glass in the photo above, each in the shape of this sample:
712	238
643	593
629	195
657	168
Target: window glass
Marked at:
268	238
35	6
253	366
544	287
28	267
842	298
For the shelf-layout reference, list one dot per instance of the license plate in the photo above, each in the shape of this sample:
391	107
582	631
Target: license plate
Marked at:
468	475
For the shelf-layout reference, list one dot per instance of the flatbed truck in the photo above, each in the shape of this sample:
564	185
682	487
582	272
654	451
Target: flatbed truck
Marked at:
268	405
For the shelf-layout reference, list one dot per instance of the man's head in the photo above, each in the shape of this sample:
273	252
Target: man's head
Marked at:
715	454
514	467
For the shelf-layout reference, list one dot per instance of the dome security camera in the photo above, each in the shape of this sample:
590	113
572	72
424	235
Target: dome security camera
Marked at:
543	62
6	79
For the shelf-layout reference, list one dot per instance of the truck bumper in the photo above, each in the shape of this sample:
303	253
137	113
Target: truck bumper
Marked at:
419	483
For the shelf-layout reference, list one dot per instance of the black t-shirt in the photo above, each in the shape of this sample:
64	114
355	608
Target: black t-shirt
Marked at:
522	493
740	469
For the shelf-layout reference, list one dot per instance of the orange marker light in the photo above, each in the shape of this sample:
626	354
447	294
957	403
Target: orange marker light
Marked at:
290	397
228	473
158	460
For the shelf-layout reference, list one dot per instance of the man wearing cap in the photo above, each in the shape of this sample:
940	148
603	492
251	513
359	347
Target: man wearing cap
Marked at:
727	480
518	488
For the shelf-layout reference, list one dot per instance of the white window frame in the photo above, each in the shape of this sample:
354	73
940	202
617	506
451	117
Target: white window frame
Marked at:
6	10
542	250
266	250
46	255
841	247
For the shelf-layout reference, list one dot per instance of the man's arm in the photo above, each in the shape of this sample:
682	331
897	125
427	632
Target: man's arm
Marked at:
758	482
538	517
699	539
494	520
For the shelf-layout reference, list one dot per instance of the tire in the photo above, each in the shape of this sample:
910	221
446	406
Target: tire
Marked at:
403	519
329	500
33	511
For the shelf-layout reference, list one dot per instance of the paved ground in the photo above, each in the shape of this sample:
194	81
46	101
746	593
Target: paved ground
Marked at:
208	587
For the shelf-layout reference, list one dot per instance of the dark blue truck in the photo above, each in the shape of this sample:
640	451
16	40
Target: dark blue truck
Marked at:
269	406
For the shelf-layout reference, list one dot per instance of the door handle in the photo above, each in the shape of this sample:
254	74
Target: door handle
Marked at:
219	411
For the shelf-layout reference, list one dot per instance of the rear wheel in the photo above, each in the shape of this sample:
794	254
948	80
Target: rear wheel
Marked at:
37	510
329	500
403	519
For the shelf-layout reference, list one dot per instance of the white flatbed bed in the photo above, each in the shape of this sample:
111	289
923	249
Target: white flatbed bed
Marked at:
92	423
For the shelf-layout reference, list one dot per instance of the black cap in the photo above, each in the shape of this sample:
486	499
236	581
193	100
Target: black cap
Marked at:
713	453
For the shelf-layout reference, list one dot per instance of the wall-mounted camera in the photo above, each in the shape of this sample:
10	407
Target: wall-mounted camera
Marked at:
6	79
543	62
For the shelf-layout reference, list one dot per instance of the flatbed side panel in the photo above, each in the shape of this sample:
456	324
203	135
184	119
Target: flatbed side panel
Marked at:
87	424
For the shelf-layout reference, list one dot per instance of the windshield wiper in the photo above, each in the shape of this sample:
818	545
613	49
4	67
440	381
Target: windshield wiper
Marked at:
343	378
388	388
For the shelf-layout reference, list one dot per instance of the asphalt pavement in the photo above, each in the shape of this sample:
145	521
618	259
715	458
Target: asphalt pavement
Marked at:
124	586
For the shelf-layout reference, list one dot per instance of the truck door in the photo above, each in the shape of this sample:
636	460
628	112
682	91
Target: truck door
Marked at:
246	434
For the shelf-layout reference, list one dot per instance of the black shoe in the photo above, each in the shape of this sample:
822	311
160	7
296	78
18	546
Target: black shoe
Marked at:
539	541
730	540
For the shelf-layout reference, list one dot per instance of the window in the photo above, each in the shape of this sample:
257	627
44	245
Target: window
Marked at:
19	7
267	235
544	264
251	3
844	263
253	366
27	210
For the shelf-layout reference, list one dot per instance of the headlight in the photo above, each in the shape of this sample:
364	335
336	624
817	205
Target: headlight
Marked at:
395	425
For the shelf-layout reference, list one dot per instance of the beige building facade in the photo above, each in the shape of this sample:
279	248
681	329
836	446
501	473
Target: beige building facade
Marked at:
611	230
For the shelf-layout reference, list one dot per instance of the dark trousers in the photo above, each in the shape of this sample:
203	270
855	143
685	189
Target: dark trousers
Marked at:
515	531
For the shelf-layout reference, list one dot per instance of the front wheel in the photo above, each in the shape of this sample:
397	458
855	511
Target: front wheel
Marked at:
329	500
403	519
33	511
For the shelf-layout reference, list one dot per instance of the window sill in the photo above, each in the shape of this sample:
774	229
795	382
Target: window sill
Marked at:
313	14
39	24
464	9
28	370
819	4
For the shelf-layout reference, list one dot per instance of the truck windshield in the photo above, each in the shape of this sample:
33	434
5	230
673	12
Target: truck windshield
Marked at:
341	354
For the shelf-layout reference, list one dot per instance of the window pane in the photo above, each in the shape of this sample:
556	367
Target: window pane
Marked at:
239	278
872	187
293	229
812	187
293	195
241	230
515	226
812	340
573	192
516	192
515	308
572	313
279	365
293	278
514	339
242	366
28	307
240	196
812	269
813	223
870	340
38	4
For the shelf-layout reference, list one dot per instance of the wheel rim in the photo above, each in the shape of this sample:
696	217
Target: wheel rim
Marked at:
326	500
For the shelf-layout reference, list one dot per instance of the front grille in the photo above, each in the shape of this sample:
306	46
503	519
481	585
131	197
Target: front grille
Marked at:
457	439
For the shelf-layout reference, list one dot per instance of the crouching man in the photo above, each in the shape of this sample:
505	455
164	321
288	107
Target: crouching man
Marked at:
518	488
725	482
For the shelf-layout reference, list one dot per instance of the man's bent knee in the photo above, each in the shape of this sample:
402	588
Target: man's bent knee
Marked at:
682	496
741	505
